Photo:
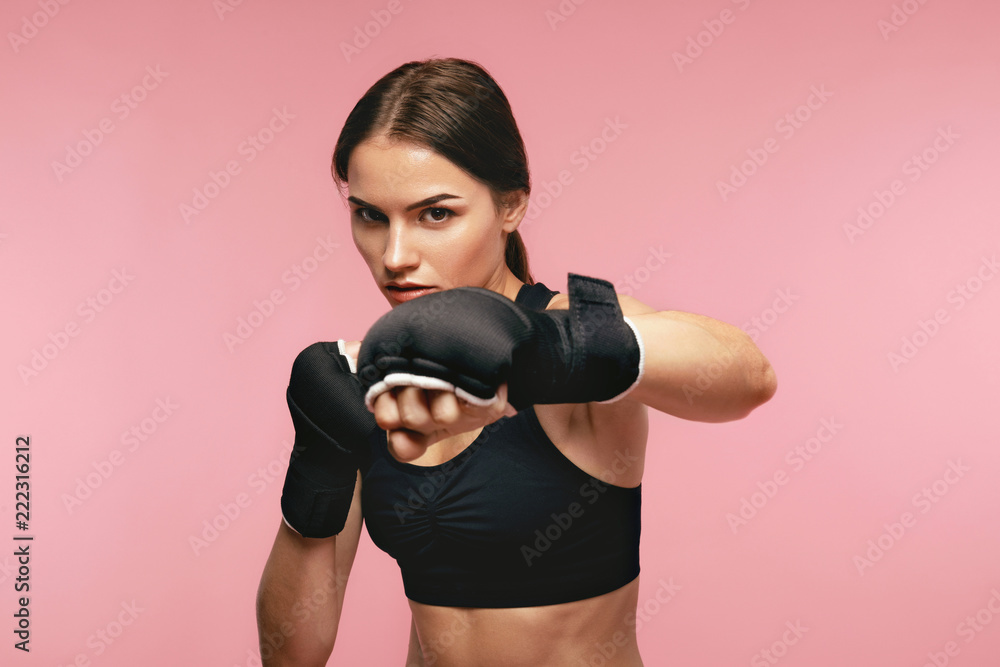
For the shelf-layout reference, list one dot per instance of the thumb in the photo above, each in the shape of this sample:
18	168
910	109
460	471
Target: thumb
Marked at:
404	445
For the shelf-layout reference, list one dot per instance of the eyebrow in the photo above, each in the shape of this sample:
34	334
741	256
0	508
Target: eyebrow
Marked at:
423	202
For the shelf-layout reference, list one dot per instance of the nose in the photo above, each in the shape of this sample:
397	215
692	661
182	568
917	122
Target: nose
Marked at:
400	249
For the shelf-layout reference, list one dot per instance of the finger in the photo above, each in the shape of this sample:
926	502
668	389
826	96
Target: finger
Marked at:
445	407
386	411
414	413
406	445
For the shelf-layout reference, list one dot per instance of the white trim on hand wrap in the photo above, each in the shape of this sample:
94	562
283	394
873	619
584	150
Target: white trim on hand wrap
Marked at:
642	364
424	382
290	525
342	348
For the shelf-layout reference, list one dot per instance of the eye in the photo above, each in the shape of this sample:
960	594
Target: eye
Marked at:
437	214
368	215
434	214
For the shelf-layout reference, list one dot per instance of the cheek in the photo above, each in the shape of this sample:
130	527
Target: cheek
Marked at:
471	254
368	245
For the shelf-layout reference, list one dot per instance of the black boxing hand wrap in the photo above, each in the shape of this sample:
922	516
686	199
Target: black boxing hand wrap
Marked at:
471	340
331	422
590	352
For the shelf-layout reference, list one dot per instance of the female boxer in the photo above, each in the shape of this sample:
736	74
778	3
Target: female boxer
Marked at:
490	431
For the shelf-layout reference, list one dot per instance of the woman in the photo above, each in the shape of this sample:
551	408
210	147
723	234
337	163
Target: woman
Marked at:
516	530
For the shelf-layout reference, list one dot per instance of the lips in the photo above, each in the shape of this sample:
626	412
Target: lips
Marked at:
406	292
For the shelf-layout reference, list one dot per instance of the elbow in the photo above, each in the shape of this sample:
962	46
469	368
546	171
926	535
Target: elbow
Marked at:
758	387
762	385
748	389
767	383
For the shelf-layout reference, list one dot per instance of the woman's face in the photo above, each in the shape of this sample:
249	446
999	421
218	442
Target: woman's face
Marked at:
419	221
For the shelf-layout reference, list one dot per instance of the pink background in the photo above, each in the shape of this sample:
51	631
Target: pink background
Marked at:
683	128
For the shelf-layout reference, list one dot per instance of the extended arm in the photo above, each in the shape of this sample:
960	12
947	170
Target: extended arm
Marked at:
696	367
686	365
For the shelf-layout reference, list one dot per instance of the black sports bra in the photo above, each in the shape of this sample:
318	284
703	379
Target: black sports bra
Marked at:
509	522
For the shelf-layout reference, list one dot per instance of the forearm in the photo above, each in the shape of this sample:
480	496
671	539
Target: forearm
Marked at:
699	368
298	601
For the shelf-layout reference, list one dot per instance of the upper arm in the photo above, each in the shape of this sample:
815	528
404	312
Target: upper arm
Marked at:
682	350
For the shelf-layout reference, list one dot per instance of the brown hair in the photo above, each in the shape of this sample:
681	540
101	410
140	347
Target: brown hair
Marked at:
455	108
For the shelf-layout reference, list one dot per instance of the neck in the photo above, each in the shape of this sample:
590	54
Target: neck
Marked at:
510	285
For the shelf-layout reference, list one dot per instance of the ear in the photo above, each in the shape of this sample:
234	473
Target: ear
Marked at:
514	213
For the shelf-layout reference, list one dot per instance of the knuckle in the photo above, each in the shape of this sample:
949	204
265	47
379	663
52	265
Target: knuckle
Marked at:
385	416
445	412
413	415
407	419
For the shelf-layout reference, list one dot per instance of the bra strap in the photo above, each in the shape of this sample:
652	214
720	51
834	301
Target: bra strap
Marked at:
534	297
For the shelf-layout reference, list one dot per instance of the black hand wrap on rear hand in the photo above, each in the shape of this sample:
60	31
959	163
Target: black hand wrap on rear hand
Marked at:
332	426
472	340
